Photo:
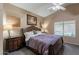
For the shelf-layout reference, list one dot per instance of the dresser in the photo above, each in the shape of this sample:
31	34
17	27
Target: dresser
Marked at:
12	44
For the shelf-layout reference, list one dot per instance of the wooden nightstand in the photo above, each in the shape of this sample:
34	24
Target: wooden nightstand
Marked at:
13	44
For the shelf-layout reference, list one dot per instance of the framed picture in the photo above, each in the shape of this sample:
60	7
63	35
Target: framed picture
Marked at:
31	20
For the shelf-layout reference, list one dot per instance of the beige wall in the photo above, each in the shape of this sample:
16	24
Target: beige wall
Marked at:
71	13
1	36
18	12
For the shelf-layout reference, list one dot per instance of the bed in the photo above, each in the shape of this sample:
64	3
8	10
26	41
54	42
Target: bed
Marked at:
42	43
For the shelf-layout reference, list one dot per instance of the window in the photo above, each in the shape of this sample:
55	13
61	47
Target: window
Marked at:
65	28
58	28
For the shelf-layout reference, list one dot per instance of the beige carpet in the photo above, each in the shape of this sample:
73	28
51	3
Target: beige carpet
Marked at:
68	50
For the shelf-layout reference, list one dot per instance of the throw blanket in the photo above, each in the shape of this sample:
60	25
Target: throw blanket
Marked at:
42	42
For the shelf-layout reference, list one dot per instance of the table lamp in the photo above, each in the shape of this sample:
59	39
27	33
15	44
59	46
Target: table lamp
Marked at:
8	28
44	26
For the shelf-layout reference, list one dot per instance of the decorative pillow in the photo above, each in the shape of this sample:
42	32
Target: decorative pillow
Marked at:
28	35
31	34
34	32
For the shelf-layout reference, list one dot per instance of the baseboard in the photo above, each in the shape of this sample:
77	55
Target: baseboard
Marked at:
1	53
72	43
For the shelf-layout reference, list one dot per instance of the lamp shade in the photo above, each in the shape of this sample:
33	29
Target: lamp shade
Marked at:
7	27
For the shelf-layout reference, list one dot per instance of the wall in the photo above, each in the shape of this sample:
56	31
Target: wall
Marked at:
71	13
1	33
22	14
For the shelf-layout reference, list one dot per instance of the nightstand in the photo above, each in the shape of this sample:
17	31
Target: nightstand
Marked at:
12	44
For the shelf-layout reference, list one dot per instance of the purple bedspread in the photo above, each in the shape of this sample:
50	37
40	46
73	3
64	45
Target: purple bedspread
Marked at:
42	42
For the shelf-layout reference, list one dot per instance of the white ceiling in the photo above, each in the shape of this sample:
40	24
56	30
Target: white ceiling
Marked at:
40	9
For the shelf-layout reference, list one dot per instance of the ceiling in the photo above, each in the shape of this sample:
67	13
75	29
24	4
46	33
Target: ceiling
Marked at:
40	9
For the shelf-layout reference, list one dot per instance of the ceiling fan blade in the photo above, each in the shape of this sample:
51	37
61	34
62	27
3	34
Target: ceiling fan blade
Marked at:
55	4
55	8
62	8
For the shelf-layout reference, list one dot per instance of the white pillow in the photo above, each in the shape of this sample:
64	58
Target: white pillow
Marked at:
28	35
31	34
39	32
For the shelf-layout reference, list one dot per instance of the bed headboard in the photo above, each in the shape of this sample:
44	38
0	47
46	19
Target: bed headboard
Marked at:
31	28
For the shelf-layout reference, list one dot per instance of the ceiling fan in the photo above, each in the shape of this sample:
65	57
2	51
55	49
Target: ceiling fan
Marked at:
57	6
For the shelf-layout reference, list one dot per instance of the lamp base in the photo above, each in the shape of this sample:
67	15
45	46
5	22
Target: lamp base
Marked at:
9	34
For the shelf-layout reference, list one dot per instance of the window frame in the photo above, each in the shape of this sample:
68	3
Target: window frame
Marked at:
63	25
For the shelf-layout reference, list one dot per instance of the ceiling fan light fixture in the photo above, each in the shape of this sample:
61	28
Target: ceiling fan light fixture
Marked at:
53	8
57	7
62	8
